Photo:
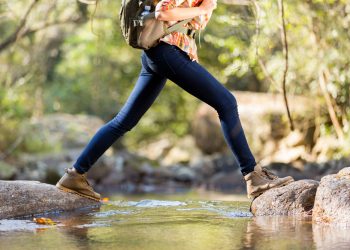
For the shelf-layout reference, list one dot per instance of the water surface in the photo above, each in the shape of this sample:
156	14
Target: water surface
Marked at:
186	221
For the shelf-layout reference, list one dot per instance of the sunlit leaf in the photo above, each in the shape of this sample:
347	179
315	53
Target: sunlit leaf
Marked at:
44	221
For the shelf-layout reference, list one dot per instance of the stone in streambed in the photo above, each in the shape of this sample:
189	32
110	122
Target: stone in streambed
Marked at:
332	202
296	198
25	198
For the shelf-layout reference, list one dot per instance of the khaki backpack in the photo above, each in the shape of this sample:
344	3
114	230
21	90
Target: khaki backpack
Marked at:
144	31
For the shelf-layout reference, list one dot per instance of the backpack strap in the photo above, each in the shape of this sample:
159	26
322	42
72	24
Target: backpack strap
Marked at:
178	27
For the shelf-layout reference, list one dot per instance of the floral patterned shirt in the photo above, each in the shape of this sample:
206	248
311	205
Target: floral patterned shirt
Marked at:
181	40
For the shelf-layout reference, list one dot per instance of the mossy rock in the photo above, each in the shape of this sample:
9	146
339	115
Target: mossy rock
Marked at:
7	171
55	132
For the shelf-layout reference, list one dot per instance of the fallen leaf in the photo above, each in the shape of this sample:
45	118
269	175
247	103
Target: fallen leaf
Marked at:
44	221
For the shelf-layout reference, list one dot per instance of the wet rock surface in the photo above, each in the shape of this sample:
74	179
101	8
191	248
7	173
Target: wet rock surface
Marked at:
332	203
296	198
25	198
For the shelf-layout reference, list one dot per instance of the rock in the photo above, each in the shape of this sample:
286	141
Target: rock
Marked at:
49	167
157	149
327	146
309	170
7	171
208	165
102	167
265	109
26	198
333	166
220	173
205	167
231	182
285	169
183	174
58	131
296	198
206	130
163	173
183	152
128	169
332	202
286	155
171	150
147	169
293	139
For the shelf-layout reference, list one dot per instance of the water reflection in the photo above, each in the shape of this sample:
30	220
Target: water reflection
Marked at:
278	232
171	224
328	237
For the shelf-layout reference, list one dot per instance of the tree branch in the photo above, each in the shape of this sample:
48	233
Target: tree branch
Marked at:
323	77
14	36
47	25
268	75
322	81
285	52
27	32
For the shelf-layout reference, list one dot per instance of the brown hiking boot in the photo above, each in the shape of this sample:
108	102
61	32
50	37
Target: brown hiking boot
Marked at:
76	183
261	180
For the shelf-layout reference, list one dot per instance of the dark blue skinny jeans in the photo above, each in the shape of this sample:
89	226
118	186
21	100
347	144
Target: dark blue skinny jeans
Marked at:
162	62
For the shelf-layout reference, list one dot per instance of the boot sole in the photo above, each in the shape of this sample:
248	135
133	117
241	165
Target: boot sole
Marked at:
75	192
261	192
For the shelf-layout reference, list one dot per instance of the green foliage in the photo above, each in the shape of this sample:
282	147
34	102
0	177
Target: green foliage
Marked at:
66	68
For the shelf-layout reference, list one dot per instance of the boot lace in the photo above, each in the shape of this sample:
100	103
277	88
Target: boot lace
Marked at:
87	182
269	174
84	177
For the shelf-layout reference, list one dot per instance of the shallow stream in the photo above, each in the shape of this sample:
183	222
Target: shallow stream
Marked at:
185	221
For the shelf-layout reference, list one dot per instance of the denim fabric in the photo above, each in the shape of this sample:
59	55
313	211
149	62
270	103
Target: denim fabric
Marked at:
162	62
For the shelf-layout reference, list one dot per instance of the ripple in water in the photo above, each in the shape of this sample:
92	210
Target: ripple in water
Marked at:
150	203
110	213
224	211
19	225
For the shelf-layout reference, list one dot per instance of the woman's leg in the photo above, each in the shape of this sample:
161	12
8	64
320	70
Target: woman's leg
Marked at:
174	64
196	80
147	88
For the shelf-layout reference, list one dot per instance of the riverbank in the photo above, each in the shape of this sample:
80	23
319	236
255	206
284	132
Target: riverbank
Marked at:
128	172
200	159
